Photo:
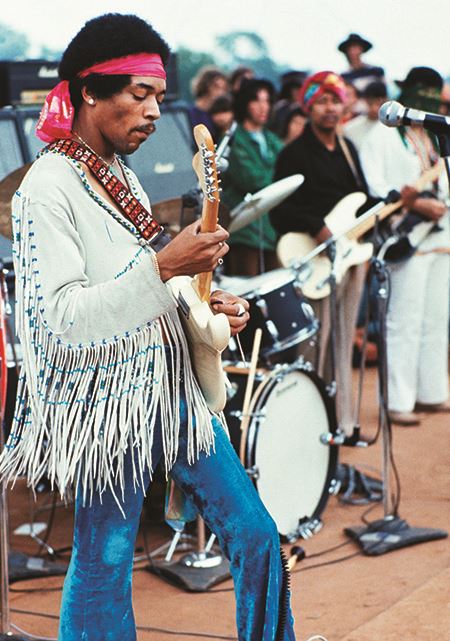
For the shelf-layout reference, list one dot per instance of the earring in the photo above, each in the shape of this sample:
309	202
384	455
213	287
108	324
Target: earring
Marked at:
91	101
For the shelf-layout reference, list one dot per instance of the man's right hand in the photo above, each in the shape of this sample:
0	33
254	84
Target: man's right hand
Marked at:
431	208
192	252
323	235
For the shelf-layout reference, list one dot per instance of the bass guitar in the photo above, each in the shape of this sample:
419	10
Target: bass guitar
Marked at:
208	334
344	224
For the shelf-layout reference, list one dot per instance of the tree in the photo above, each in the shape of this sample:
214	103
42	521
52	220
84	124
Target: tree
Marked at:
247	48
188	64
13	44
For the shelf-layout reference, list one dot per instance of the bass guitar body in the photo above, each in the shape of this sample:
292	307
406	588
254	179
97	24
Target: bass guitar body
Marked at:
294	246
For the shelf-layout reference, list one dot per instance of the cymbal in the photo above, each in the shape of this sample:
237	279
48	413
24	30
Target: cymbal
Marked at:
174	216
8	187
255	205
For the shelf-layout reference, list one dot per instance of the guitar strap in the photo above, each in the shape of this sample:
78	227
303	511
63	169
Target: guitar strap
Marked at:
134	211
350	161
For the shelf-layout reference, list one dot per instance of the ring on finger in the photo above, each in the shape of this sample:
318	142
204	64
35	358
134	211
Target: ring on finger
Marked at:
220	261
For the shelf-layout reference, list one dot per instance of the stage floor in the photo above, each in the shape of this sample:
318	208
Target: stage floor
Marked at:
402	595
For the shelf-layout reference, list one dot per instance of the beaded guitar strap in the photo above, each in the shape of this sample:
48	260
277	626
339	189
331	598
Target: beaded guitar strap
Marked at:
129	205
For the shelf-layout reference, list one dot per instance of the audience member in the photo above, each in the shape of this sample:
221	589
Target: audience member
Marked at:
293	125
374	95
251	163
360	74
208	84
238	75
222	114
291	82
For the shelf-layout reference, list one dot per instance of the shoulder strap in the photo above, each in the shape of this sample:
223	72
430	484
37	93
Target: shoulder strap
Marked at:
130	207
350	160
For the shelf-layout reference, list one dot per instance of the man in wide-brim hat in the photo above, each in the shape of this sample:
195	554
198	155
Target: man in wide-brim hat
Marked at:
360	74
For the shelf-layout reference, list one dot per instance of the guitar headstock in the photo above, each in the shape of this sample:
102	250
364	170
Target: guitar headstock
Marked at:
204	163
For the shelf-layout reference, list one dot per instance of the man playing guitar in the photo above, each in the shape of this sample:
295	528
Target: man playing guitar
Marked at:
418	313
107	389
332	171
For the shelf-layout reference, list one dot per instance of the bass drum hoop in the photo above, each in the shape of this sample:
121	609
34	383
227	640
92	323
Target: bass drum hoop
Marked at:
249	437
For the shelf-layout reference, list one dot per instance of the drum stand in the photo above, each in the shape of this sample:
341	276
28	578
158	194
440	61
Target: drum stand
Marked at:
197	571
391	532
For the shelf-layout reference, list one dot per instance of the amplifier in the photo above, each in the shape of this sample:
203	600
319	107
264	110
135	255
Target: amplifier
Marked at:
26	82
29	81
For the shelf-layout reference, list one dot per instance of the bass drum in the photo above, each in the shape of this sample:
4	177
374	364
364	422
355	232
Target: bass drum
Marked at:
293	471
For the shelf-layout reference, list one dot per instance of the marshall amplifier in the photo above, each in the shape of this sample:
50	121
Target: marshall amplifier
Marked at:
27	82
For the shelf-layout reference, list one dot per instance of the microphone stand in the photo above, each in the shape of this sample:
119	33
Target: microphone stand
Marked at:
390	532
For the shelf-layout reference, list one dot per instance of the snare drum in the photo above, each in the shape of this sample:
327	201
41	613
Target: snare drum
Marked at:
279	309
293	471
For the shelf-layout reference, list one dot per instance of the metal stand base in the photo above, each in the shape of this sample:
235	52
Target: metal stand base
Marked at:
391	533
190	577
22	567
12	637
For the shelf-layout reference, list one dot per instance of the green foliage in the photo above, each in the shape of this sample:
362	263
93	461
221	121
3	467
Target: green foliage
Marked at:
47	53
13	44
249	49
189	62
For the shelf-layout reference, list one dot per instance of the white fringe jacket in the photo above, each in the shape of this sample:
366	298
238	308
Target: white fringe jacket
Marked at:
91	313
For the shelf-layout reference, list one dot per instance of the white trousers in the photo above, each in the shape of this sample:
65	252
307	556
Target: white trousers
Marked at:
348	297
418	332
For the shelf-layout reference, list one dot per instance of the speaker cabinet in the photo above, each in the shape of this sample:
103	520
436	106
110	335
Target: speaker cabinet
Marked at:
26	82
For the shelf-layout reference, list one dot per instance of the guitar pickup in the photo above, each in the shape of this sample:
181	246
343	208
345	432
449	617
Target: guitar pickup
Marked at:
183	305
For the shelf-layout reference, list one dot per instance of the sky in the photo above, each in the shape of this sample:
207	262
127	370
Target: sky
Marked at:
303	34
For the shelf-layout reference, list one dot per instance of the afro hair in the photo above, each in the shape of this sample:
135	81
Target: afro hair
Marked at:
112	35
109	36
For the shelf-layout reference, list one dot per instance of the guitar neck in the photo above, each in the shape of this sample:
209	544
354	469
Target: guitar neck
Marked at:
208	224
360	229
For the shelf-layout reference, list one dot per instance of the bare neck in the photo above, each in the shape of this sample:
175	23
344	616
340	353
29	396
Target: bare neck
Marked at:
327	137
249	125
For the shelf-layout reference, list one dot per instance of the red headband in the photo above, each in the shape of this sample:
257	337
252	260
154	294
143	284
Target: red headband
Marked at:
55	120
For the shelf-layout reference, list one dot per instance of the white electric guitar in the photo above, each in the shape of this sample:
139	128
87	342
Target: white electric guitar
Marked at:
295	245
347	228
208	333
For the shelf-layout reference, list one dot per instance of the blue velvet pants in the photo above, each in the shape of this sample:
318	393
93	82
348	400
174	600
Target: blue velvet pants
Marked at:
96	602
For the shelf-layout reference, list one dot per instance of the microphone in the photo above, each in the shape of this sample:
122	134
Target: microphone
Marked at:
393	114
223	150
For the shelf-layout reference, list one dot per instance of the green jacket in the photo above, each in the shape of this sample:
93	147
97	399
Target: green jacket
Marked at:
249	172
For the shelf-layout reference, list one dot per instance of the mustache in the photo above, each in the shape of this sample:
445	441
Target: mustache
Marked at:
146	129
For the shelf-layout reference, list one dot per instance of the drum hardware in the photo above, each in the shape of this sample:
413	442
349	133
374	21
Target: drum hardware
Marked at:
279	309
333	438
306	529
253	473
335	487
197	571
